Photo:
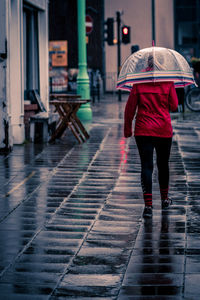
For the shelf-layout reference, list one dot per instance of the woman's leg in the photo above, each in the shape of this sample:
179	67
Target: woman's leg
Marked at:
163	148
145	148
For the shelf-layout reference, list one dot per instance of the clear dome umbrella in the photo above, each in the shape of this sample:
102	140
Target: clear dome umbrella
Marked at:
155	64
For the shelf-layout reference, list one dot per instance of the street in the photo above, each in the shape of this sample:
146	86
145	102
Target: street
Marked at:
71	216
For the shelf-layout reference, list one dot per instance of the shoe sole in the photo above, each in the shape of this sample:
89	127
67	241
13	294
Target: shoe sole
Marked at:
147	216
165	206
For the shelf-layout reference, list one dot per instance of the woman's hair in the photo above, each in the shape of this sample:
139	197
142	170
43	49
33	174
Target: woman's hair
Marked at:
153	62
150	61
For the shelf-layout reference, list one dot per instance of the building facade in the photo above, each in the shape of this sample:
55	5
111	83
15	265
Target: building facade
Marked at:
170	23
148	19
23	64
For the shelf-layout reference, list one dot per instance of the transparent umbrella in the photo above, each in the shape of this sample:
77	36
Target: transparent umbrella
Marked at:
155	64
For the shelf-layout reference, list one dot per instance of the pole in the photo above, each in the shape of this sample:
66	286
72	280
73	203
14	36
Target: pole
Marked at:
118	49
153	22
83	84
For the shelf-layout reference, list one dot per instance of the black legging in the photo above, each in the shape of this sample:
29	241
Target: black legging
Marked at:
146	145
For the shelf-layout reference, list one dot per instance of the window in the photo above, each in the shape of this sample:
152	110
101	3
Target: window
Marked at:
30	50
187	19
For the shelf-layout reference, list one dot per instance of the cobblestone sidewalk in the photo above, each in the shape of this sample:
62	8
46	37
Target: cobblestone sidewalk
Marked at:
71	218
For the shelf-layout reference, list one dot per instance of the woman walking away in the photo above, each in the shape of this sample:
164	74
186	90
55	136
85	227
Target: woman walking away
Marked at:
153	130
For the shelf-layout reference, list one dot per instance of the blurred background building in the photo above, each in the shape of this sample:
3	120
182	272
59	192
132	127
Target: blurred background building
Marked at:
172	24
39	53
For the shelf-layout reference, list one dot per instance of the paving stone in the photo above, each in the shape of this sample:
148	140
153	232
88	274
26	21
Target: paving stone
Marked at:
149	290
91	280
85	291
191	289
152	279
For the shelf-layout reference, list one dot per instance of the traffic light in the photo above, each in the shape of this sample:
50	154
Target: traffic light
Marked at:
126	39
110	31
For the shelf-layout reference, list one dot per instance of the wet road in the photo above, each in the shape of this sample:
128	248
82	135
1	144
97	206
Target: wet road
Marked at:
71	217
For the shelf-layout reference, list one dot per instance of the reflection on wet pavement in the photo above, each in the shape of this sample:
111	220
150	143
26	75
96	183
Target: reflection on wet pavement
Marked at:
70	217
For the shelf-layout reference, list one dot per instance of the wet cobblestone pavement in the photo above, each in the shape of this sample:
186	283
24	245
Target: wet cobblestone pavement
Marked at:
71	221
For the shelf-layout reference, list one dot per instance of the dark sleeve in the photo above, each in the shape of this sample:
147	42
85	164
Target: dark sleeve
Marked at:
173	99
129	113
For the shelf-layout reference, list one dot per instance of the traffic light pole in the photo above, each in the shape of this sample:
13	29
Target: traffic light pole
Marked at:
118	48
153	21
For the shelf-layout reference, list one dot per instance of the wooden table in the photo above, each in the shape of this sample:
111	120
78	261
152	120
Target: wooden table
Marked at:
67	110
64	96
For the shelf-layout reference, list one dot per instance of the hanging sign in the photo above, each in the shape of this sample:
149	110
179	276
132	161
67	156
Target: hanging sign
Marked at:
58	52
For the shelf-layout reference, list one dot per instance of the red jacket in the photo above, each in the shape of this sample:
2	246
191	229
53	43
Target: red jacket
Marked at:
153	101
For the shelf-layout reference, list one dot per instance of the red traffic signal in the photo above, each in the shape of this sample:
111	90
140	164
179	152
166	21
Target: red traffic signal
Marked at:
125	30
126	35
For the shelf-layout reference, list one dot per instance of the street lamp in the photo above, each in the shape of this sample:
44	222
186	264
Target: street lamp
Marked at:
83	83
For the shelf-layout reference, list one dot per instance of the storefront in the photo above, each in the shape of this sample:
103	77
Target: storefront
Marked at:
23	64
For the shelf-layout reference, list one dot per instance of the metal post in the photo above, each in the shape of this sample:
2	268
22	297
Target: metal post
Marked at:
83	84
118	49
197	26
153	22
